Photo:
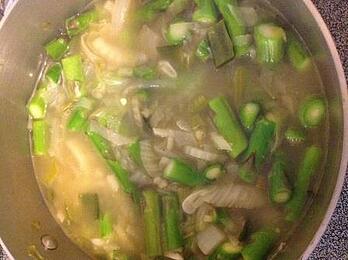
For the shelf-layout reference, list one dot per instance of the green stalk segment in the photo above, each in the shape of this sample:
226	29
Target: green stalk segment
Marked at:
103	146
260	142
270	43
312	112
247	171
73	68
227	251
297	54
205	12
152	223
213	172
122	176
203	51
248	114
151	9
308	166
105	225
78	120
54	73
135	153
178	32
294	136
220	44
261	243
182	173
37	105
171	216
228	126
279	190
56	48
80	23
39	135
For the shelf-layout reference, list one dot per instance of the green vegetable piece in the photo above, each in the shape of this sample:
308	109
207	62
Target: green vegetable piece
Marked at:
122	176
152	223
54	73
312	112
228	126
80	23
260	142
78	120
233	224
105	225
151	9
171	216
177	6
178	32
270	43
205	12
240	81
213	172
220	44
242	44
247	171
39	134
134	152
37	105
182	173
227	251
102	145
56	48
73	68
232	17
203	51
297	54
261	243
308	166
248	114
144	72
279	190
294	136
90	202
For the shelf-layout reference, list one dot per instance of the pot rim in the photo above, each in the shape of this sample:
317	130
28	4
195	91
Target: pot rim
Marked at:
344	154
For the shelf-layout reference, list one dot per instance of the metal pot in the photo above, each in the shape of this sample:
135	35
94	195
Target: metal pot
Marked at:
25	218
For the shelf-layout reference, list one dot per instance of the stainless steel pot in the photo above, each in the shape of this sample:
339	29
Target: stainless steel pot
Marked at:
24	217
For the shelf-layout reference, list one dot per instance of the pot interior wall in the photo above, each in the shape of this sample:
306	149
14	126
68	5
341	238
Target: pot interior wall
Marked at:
30	25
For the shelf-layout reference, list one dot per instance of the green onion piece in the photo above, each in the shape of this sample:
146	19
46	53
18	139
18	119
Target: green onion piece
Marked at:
54	73
309	165
205	12
178	32
294	136
260	244
248	114
144	72
80	23
105	225
151	9
240	80
234	225
270	43
227	251
182	173
78	120
56	48
103	146
203	51
312	112
39	135
37	105
213	172
152	223
247	171
297	54
122	176
90	202
73	68
242	44
279	191
228	126
172	226
220	44
134	152
260	142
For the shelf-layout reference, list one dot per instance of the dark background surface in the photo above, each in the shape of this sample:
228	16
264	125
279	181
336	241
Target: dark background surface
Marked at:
334	243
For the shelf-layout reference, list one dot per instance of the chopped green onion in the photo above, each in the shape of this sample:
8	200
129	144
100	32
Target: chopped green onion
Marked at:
103	146
122	176
228	126
213	172
172	226
220	44
80	23
37	105
294	136
203	50
312	112
105	226
182	173
151	9
73	68
152	223
270	43
56	48
178	32
205	12
78	120
297	54
144	72
54	73
134	152
248	114
247	171
39	135
309	165
227	251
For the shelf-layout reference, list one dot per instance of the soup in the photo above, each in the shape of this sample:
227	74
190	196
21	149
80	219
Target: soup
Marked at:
177	129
